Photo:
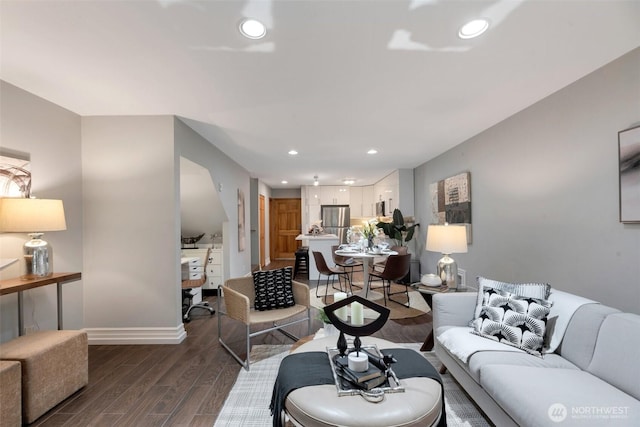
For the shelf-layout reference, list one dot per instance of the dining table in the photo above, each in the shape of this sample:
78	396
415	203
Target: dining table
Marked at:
365	256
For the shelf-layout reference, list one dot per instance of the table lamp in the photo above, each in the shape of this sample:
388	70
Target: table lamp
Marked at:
447	239
33	216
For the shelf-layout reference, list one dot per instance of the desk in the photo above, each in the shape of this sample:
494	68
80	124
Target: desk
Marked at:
365	257
11	286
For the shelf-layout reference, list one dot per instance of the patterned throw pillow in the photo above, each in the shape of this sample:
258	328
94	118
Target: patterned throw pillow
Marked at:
273	289
532	290
514	320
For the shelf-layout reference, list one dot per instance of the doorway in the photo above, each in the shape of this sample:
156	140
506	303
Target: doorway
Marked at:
261	231
285	216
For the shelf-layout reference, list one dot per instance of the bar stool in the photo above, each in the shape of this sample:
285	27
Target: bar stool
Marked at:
302	261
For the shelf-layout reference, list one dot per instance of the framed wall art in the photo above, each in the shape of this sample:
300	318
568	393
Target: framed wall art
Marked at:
15	174
451	201
241	225
629	174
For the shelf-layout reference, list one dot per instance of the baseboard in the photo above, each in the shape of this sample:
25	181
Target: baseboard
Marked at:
120	336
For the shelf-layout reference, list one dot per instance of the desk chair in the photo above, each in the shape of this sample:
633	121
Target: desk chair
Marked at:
396	268
187	295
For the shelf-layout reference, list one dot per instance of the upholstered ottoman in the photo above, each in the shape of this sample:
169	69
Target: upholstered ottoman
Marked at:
420	405
54	366
10	396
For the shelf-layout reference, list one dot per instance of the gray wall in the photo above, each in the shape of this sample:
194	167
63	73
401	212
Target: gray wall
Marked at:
131	229
51	135
226	172
544	188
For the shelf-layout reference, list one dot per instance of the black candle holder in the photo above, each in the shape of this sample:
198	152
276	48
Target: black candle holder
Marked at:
356	331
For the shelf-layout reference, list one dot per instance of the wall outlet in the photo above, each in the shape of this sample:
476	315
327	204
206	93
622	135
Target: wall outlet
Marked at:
30	329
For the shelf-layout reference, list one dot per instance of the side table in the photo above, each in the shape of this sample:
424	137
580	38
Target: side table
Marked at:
428	292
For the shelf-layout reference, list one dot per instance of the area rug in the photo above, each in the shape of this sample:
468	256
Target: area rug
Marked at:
418	305
248	402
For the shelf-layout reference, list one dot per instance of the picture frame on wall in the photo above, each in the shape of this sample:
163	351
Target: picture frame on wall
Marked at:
629	174
451	201
241	225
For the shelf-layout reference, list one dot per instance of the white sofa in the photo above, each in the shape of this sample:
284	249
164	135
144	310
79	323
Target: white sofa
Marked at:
591	379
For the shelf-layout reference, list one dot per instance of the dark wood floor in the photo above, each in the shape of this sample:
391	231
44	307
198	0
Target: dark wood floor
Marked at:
178	385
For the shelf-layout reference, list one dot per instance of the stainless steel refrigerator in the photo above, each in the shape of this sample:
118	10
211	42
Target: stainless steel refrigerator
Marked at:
336	220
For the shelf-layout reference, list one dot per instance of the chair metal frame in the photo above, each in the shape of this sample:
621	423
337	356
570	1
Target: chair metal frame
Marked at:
349	268
325	270
239	297
396	268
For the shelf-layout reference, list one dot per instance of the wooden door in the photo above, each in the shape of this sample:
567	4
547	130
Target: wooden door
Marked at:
261	232
285	219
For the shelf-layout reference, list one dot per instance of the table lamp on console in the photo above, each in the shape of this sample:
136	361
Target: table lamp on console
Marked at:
447	239
33	216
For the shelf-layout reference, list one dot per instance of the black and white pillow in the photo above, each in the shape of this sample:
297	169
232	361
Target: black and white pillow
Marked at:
533	290
514	320
273	289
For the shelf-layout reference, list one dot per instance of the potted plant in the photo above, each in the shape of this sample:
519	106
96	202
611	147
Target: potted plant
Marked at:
397	229
329	328
402	233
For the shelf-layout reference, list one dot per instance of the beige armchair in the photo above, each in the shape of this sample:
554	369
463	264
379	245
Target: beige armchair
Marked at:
239	299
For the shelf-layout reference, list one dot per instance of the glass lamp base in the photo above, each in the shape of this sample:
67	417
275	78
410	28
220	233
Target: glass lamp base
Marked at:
448	271
38	257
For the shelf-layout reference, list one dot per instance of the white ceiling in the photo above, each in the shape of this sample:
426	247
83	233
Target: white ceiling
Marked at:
331	79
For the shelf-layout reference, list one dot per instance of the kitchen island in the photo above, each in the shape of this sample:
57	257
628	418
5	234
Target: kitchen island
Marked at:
319	243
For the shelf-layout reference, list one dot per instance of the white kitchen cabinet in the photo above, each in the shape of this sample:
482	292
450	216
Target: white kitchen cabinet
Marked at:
334	195
368	202
355	202
313	195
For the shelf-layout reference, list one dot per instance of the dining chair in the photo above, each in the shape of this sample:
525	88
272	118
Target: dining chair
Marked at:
348	264
396	268
401	250
331	273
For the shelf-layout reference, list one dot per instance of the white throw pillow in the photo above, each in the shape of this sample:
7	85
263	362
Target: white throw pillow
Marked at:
532	290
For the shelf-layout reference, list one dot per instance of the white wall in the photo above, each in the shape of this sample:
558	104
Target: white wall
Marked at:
544	191
226	172
131	230
51	135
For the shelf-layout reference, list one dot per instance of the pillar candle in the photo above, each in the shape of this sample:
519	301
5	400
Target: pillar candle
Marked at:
341	312
357	314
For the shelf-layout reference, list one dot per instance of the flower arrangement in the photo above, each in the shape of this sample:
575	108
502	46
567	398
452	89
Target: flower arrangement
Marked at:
370	229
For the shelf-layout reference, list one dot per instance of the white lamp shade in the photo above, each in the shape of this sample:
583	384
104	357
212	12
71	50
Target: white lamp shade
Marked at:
447	239
20	215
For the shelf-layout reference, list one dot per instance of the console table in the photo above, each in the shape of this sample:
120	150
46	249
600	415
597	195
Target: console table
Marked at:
11	286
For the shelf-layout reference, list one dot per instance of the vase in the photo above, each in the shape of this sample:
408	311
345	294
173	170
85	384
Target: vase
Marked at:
330	330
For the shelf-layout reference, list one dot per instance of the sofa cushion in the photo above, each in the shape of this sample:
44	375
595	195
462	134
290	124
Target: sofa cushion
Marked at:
273	289
582	332
615	358
543	396
513	320
484	358
533	290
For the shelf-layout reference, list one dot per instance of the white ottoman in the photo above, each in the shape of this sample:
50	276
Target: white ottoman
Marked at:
315	406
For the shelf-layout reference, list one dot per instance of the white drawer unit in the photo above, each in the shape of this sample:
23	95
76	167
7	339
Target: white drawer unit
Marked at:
214	270
208	264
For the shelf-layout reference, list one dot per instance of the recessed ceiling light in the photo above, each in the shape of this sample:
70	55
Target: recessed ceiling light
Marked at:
473	28
253	29
293	152
348	181
372	151
284	182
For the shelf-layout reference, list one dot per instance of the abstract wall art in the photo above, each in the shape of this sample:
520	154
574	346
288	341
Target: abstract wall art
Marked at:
629	174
